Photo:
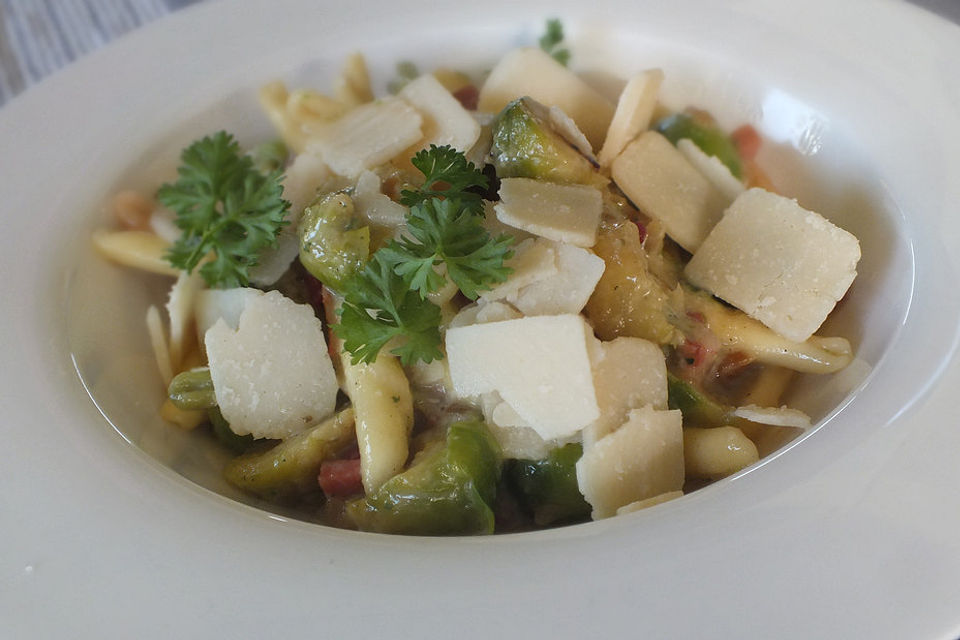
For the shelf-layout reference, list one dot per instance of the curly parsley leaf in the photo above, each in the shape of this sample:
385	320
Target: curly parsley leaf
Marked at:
378	306
552	40
445	232
224	206
447	174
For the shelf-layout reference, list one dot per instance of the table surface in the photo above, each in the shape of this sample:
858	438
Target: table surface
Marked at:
37	38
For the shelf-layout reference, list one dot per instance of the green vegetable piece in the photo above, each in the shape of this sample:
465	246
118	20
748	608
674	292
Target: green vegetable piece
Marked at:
697	408
447	492
548	487
225	208
552	40
526	146
333	246
708	137
226	435
192	390
290	469
270	156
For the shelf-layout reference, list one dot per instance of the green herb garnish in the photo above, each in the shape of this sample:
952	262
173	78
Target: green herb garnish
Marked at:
225	207
552	40
387	298
378	305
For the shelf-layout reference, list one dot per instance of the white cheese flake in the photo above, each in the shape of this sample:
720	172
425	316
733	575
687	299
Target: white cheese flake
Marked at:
272	376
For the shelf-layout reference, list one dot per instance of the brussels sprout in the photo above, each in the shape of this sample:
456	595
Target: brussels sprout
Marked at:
192	390
548	487
290	469
221	429
447	492
526	146
332	244
705	135
697	408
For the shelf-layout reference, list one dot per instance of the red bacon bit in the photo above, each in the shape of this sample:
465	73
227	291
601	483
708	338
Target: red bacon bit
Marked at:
341	478
641	229
696	316
468	96
694	353
747	141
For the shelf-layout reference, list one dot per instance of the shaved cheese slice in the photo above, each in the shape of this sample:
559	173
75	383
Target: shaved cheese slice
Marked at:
712	169
641	459
568	130
781	264
566	290
540	366
664	185
445	121
368	136
214	304
562	212
634	111
628	373
273	376
649	502
533	260
776	416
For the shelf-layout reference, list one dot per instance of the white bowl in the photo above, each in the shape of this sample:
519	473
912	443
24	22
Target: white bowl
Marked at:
848	531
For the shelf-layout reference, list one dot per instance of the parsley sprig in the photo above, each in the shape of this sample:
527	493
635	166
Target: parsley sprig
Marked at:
552	40
379	306
447	232
447	174
388	297
225	207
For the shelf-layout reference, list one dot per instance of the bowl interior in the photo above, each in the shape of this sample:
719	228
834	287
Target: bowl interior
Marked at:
808	156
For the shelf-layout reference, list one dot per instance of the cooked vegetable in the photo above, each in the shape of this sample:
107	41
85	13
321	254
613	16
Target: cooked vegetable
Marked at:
334	242
290	469
526	146
548	487
706	135
225	207
448	491
192	390
628	299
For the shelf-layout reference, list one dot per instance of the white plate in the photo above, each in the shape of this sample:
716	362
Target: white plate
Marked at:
851	532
